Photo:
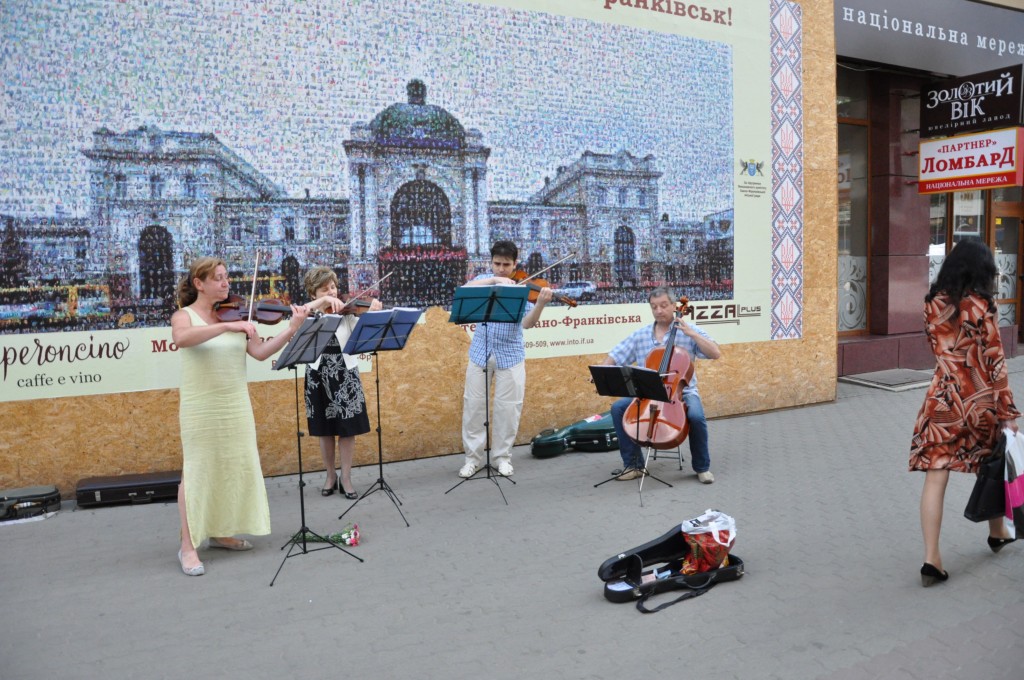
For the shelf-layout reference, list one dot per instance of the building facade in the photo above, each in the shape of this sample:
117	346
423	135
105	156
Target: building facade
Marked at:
891	237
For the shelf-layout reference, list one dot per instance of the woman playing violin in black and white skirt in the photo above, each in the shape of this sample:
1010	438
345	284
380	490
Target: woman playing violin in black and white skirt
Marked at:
335	405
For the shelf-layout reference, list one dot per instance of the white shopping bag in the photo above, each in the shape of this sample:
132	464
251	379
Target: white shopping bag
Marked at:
1014	479
715	523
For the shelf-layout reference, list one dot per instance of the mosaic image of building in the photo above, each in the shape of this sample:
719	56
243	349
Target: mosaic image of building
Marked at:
418	209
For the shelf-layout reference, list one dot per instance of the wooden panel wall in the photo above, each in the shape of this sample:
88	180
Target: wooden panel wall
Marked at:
60	441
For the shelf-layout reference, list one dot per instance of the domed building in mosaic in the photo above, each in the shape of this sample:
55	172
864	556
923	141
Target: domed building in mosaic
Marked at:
418	200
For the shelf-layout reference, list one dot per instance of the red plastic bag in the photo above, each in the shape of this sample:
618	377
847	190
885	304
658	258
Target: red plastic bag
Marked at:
709	538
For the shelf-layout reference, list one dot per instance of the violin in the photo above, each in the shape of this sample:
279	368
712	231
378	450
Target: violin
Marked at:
535	285
355	306
358	303
271	311
235	308
663	425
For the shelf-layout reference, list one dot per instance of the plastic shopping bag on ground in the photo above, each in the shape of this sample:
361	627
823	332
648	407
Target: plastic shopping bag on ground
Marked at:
710	537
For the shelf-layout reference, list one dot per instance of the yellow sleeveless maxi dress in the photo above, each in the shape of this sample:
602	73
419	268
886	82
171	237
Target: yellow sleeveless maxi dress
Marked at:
224	489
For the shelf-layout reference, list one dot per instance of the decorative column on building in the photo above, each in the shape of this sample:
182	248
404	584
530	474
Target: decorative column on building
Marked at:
373	205
357	234
469	234
480	211
478	237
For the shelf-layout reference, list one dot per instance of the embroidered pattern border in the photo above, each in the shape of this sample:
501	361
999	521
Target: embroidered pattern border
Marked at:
787	170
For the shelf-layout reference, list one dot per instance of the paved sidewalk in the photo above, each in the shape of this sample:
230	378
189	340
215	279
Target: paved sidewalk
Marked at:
827	525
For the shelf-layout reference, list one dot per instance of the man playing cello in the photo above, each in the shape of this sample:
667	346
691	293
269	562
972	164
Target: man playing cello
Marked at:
634	350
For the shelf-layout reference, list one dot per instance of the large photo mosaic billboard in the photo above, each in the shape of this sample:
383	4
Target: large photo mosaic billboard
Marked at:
621	145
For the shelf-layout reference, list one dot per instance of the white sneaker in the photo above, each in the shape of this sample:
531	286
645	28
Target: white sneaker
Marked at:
706	477
505	469
468	470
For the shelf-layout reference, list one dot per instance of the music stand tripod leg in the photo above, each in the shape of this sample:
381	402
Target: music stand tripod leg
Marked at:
382	337
301	535
380	484
648	474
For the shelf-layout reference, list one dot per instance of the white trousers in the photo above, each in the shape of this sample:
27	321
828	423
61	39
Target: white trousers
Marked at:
509	389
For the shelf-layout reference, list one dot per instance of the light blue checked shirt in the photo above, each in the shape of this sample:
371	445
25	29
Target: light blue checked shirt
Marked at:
641	342
504	341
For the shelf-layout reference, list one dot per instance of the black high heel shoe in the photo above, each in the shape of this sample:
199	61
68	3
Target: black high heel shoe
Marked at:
997	544
351	495
931	575
330	490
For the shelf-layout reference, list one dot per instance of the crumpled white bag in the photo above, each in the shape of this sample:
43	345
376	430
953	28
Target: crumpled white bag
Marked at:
713	522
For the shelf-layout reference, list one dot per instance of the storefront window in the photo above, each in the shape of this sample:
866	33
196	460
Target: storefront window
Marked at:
939	225
1007	195
853	228
851	92
962	214
1006	236
968	214
1007	213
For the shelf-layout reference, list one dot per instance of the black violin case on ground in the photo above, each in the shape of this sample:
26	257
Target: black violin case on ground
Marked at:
28	502
655	567
596	433
135	488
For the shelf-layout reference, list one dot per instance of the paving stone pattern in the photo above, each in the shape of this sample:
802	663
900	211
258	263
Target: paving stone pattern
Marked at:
827	525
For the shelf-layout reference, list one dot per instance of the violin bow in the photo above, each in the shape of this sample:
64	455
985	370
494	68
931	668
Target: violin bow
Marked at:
369	288
255	273
553	264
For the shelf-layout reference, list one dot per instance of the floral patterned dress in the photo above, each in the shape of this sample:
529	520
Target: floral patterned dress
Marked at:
969	394
335	405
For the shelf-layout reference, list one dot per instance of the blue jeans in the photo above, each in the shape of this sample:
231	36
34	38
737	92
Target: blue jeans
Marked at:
632	456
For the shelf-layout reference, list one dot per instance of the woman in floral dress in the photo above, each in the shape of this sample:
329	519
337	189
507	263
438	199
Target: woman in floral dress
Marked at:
969	400
335	405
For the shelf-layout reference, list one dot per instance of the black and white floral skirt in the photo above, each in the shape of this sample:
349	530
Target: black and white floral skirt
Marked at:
335	405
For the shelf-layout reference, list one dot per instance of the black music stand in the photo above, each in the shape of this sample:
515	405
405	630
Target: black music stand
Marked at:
636	382
482	305
305	347
382	331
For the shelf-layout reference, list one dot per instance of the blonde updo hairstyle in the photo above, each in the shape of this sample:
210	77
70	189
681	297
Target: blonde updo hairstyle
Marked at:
317	278
201	269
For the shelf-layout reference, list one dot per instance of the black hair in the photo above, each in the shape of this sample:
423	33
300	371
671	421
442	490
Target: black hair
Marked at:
505	249
969	268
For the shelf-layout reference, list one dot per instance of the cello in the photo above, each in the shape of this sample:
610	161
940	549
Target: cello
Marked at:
657	424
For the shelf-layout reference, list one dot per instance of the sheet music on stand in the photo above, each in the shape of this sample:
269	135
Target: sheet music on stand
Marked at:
638	382
382	331
629	381
309	341
484	304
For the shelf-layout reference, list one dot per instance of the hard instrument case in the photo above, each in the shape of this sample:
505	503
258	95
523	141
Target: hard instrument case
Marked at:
133	488
654	568
28	502
596	433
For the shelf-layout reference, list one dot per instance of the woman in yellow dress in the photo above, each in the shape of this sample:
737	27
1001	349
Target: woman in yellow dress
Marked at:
222	491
